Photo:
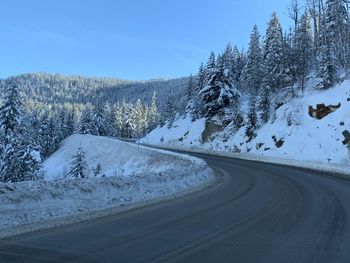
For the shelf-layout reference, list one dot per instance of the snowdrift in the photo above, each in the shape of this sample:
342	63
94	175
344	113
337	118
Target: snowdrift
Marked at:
130	176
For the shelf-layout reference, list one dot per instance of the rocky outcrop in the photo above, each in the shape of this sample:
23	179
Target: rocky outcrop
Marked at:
278	142
322	110
212	127
346	135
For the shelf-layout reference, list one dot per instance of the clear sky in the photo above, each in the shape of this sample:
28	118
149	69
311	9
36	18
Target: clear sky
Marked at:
128	39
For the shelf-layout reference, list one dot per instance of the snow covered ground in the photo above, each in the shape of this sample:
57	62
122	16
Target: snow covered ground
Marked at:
130	176
310	141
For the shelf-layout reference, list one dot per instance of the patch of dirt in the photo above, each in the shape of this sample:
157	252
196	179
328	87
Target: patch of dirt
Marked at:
346	135
278	142
322	110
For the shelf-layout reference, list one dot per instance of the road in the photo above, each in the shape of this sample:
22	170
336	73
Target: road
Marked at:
258	213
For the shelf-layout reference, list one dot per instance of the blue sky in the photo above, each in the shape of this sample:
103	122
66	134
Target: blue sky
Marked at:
129	39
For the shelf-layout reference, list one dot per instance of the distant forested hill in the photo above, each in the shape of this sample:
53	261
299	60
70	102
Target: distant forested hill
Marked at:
60	89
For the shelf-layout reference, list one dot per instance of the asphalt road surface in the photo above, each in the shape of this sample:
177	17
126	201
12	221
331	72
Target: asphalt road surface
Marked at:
258	213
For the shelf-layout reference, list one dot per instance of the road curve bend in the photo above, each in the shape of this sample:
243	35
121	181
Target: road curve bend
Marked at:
258	213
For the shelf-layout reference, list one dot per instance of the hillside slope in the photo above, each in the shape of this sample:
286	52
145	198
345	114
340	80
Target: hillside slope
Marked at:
130	176
61	89
292	134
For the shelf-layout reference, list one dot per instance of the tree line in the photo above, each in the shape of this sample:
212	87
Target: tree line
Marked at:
30	134
318	47
55	90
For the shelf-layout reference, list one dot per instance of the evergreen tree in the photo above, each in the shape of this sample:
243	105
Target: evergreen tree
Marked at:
145	120
54	135
19	160
327	69
9	171
229	58
211	66
33	127
78	165
265	103
139	119
252	70
190	93
252	79
85	123
315	9
219	91
119	119
169	112
273	66
273	60
29	161
303	49
11	110
153	115
98	119
238	65
190	88
70	123
337	27
60	121
109	120
197	111
128	127
97	170
45	135
252	120
289	63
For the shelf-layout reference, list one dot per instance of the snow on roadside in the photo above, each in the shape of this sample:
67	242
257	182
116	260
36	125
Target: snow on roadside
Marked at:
340	170
303	139
184	133
117	158
133	175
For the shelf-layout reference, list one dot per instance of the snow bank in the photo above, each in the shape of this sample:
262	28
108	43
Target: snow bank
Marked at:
133	175
117	158
339	170
183	132
303	138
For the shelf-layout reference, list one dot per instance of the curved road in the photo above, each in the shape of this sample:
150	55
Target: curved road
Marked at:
258	213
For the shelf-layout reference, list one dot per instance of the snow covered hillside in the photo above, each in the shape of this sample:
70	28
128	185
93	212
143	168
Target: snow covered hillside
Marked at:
292	133
129	176
116	158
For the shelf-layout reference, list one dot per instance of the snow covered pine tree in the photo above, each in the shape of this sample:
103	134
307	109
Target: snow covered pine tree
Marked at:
78	165
20	160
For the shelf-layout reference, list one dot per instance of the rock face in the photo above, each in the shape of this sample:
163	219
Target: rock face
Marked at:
322	110
212	127
346	135
278	142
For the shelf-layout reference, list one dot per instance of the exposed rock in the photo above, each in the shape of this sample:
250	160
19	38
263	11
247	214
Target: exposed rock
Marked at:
278	142
211	128
346	135
322	110
259	145
236	149
279	105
